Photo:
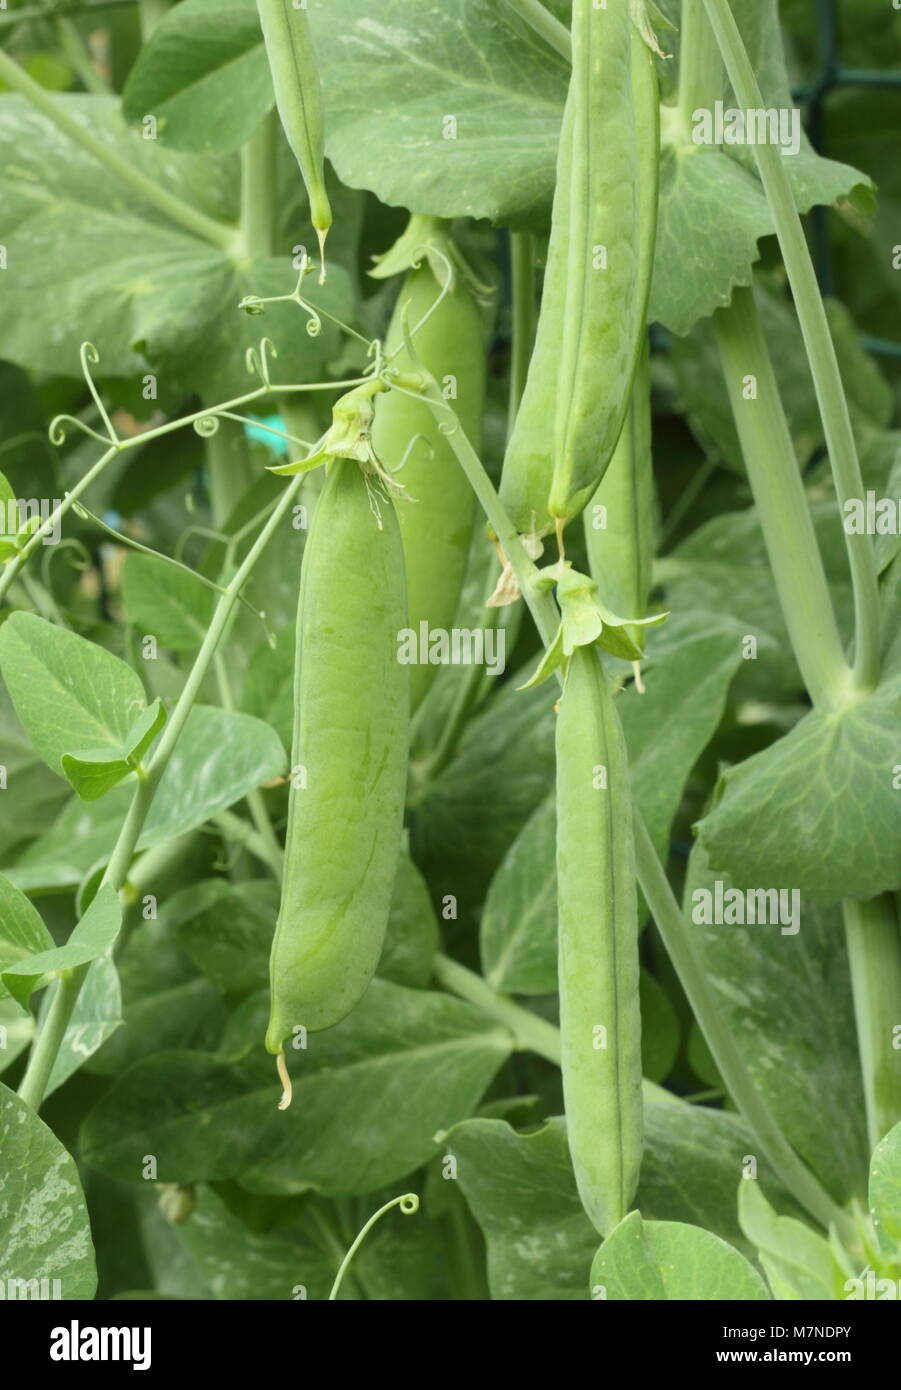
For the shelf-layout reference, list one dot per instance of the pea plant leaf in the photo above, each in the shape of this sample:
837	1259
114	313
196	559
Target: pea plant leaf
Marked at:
661	1260
16	1032
885	1191
691	665
97	930
44	1229
166	603
96	1017
818	809
204	77
206	1117
161	298
797	1261
515	1182
84	710
22	930
221	756
790	993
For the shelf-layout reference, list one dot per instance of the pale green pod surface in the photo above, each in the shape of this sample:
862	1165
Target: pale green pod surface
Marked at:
298	97
619	520
350	740
529	458
436	515
600	1024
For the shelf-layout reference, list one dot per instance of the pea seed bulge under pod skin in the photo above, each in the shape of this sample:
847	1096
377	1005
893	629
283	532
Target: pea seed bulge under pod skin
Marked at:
436	517
596	287
350	738
598	966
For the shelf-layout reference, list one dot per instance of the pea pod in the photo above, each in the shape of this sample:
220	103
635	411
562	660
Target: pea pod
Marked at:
295	78
436	517
350	738
619	521
598	274
600	1026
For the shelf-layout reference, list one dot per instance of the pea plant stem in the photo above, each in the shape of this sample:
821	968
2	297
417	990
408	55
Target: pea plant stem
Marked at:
258	189
651	875
532	1034
874	955
522	275
818	342
75	52
781	502
48	1041
189	218
255	802
555	34
700	64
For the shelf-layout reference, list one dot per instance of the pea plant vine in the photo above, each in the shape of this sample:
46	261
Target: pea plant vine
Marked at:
449	759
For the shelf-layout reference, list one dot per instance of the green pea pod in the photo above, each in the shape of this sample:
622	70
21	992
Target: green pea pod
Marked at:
597	281
349	760
619	521
600	1025
295	78
436	515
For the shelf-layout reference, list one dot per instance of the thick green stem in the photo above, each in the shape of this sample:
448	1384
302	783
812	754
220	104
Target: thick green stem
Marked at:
256	803
544	23
230	470
522	267
820	348
781	502
651	875
191	219
700	64
75	53
259	202
47	1043
874	955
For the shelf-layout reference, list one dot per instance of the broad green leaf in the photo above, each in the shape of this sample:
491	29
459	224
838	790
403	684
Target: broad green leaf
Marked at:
516	1183
226	929
9	520
268	689
16	1031
796	1260
44	1229
22	930
94	772
165	1002
817	810
220	756
666	1260
690	666
464	822
787	1000
412	936
96	931
68	692
33	795
659	1029
96	1017
203	74
166	603
405	1064
159	298
885	1191
723	567
303	1249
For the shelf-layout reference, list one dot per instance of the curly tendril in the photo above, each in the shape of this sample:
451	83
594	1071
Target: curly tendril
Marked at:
207	426
408	1203
89	356
257	362
57	432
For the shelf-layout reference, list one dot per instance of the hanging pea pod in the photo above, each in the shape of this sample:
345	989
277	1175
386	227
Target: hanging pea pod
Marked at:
597	280
295	78
436	514
598	967
349	758
619	521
